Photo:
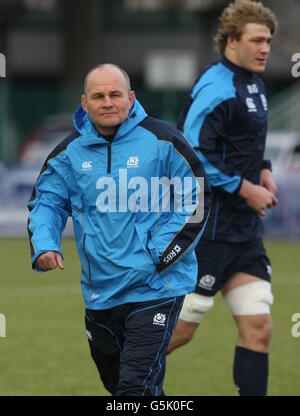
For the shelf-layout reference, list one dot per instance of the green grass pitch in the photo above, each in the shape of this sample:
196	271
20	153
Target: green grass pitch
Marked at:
45	350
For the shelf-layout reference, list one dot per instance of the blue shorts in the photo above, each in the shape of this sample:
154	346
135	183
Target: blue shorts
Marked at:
128	344
219	260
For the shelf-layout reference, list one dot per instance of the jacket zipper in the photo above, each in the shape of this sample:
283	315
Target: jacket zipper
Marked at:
148	239
86	258
108	157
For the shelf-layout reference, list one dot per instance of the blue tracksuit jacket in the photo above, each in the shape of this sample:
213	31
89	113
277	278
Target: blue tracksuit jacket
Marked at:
126	245
225	120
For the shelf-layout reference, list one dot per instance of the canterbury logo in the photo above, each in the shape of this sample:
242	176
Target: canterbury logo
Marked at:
87	165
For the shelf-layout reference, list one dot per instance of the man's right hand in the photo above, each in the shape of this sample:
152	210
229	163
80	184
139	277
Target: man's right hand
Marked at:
49	260
257	197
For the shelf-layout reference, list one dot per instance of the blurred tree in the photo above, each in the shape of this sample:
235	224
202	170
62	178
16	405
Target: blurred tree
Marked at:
81	36
171	4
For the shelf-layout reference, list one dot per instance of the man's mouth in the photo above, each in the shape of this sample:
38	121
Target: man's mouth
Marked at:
262	60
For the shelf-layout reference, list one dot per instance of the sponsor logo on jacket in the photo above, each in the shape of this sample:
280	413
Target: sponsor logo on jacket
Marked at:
172	254
251	105
86	166
133	162
264	101
252	88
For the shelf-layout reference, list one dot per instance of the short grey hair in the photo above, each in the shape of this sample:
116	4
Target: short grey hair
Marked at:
102	66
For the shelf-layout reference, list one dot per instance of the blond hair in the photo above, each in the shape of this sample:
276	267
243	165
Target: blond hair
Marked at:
235	16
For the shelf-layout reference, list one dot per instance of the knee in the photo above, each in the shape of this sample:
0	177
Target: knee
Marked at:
262	329
255	332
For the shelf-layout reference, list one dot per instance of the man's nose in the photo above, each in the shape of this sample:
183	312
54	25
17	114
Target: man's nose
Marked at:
266	48
107	101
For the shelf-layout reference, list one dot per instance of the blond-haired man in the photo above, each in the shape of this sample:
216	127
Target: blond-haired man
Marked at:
225	120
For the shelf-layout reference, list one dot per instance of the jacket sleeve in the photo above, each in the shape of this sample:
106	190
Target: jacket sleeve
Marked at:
49	210
266	164
205	125
181	224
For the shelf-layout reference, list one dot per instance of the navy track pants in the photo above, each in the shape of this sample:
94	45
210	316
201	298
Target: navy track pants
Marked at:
129	343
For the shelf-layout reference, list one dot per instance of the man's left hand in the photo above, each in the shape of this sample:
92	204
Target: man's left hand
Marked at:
267	181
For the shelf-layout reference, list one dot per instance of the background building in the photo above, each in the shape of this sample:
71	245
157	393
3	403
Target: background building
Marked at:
47	46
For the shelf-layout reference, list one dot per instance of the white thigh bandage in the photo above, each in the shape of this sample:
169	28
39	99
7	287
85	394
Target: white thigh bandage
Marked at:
252	298
195	306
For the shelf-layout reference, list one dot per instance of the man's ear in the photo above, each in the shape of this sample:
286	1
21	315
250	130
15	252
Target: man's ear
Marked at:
83	103
231	43
131	98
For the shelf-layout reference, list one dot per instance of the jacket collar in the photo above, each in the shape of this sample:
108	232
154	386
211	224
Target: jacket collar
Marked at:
241	72
89	134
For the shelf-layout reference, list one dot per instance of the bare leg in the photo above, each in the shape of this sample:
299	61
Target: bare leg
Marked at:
183	333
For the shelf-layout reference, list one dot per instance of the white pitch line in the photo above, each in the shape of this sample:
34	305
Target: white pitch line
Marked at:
57	290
